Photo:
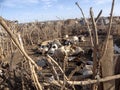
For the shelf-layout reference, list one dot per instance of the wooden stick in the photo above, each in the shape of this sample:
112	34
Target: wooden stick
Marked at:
34	77
94	27
109	29
88	82
96	20
64	65
32	68
53	69
75	70
86	23
95	51
95	43
57	65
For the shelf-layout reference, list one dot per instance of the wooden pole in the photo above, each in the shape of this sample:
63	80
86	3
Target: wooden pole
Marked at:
107	65
117	71
107	56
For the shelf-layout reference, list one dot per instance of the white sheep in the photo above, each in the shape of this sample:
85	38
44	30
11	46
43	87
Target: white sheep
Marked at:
60	53
87	70
76	50
75	39
44	47
82	38
53	48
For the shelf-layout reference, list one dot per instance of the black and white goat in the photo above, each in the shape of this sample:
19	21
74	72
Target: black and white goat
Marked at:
44	47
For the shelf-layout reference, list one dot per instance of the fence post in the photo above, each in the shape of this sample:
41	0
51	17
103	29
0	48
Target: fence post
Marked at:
107	65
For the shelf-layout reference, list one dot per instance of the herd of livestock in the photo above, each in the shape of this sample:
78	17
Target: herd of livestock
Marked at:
68	46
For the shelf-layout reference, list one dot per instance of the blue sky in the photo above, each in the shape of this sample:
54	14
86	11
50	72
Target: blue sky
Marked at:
41	10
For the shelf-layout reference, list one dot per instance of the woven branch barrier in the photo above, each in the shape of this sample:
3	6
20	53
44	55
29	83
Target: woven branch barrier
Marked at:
13	37
32	64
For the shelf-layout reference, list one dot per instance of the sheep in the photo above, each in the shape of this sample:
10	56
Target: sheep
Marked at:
1	72
61	52
116	49
66	36
89	54
75	39
87	70
42	62
59	55
66	42
44	47
54	45
57	42
48	47
52	49
76	50
81	38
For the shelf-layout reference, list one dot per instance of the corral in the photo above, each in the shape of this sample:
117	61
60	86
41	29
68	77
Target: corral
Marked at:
74	54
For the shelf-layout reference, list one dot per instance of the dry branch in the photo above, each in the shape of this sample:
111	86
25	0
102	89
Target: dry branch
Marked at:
96	20
109	29
95	58
53	69
74	71
91	39
57	66
34	77
88	82
64	65
95	51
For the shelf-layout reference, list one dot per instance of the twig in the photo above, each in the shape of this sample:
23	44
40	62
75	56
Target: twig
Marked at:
86	23
53	69
75	70
88	82
109	29
57	65
34	77
96	20
95	58
64	65
95	51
